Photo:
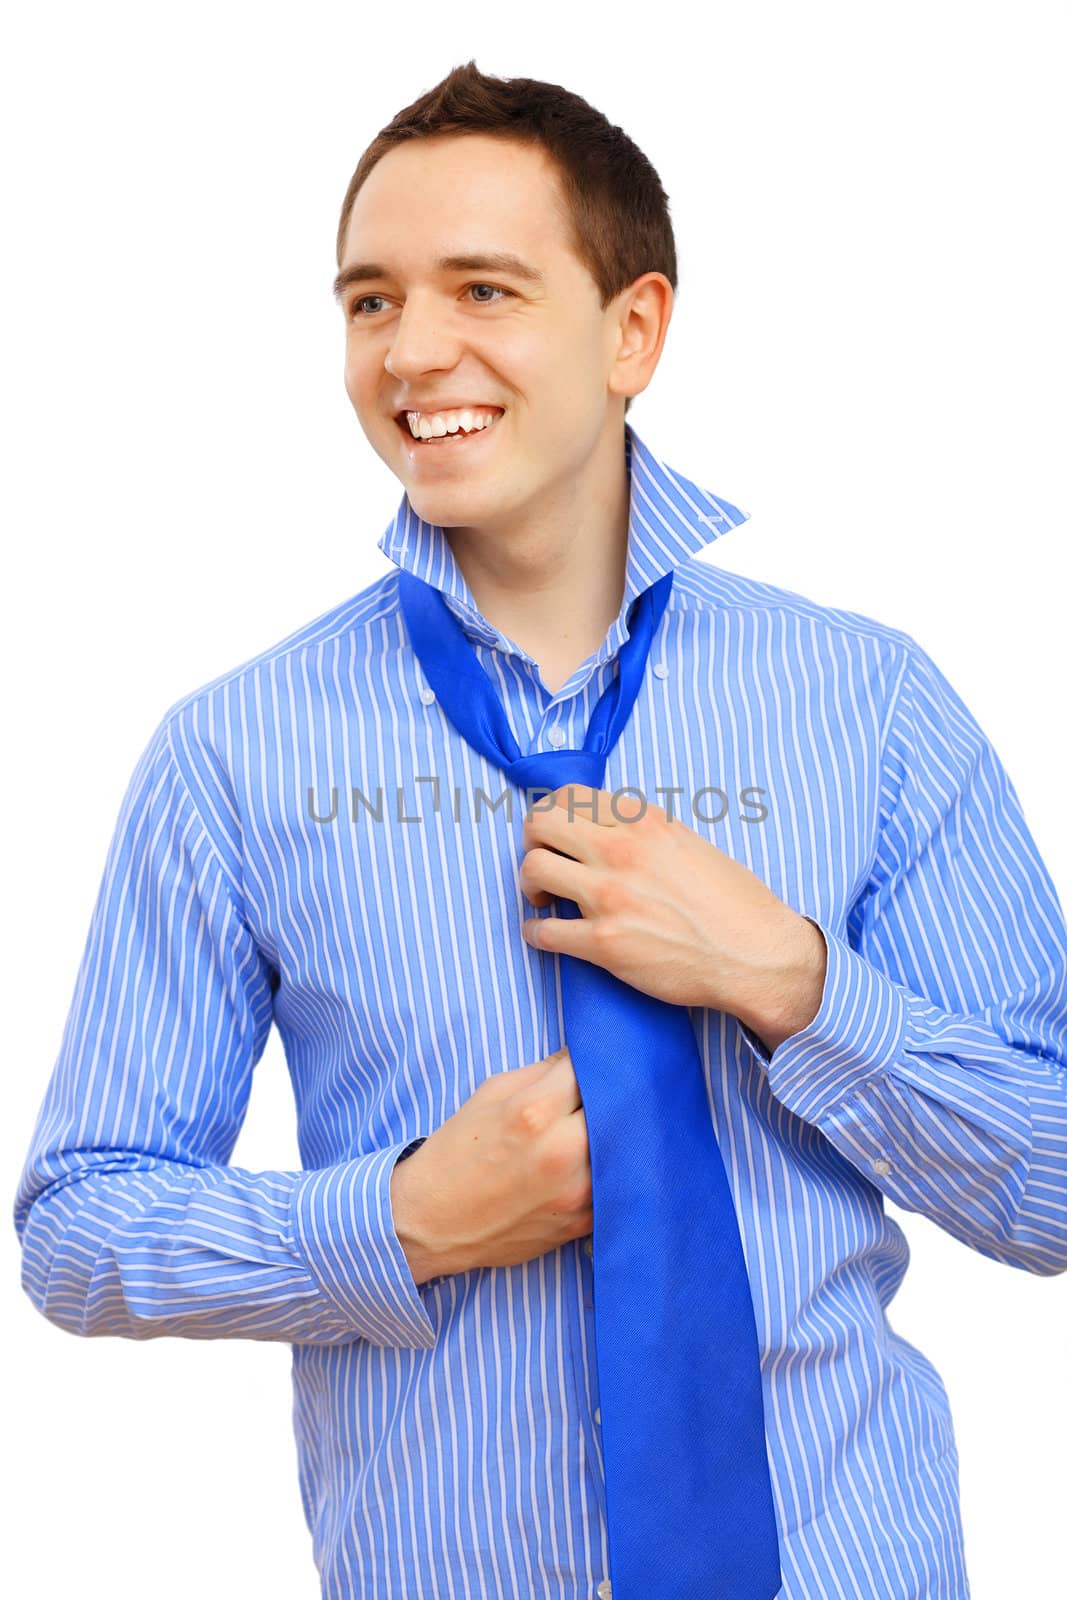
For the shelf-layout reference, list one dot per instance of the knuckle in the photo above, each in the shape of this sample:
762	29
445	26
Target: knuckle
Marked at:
556	1161
574	1198
527	1118
613	897
603	931
617	849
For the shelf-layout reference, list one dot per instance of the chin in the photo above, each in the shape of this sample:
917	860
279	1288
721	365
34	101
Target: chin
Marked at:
450	506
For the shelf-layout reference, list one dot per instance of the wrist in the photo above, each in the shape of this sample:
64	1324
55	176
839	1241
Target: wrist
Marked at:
790	992
424	1256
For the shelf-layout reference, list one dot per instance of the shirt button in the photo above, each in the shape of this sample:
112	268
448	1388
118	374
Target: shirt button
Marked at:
587	1246
660	670
556	736
427	697
603	1590
881	1167
596	1414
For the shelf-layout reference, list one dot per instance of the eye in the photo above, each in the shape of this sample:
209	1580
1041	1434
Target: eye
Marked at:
354	308
495	288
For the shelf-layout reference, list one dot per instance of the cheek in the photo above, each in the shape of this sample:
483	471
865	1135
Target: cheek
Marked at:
357	381
574	356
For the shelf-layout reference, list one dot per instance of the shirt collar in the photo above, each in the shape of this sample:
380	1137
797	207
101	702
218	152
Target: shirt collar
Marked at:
671	519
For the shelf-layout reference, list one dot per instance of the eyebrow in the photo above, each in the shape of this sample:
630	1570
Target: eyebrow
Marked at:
495	261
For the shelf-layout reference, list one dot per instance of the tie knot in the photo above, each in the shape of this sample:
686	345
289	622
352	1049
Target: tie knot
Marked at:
551	769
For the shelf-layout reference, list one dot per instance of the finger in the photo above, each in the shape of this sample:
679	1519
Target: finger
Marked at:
557	1071
578	800
572	821
555	875
569	936
539	1068
560	1063
569	1092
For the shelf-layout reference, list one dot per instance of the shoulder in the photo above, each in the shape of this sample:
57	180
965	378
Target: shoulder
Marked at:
297	654
700	586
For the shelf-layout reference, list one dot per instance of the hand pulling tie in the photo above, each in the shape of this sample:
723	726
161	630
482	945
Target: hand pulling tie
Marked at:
689	1504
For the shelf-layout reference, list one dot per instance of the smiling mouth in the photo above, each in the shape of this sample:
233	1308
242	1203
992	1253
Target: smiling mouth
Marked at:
441	441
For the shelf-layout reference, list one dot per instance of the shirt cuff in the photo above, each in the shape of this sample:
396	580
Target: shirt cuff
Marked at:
855	1036
343	1222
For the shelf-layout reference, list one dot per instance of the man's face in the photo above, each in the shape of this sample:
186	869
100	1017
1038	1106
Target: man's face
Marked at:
426	337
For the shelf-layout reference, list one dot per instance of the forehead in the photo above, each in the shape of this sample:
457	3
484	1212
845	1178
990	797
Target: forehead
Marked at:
428	196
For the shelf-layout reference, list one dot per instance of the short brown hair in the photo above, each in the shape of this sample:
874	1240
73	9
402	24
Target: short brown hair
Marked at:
619	219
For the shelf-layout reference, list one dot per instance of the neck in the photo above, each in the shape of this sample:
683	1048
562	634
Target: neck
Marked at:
554	582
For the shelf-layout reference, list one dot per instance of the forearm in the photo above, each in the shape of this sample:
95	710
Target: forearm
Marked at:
936	1109
130	1221
216	1252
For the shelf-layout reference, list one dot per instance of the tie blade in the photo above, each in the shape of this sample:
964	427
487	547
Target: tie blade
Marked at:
687	1479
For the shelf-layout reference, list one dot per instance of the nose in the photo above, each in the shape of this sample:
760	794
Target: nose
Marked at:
421	341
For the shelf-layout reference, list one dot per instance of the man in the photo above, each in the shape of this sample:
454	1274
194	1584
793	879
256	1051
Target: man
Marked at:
840	886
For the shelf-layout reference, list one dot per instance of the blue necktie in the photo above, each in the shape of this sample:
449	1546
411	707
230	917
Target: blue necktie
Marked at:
689	1506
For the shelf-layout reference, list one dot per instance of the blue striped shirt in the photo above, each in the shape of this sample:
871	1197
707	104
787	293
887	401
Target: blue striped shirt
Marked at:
306	842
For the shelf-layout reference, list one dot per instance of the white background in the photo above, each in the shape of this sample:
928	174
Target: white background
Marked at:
867	354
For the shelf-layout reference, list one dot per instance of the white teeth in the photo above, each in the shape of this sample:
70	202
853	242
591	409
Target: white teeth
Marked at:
436	425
